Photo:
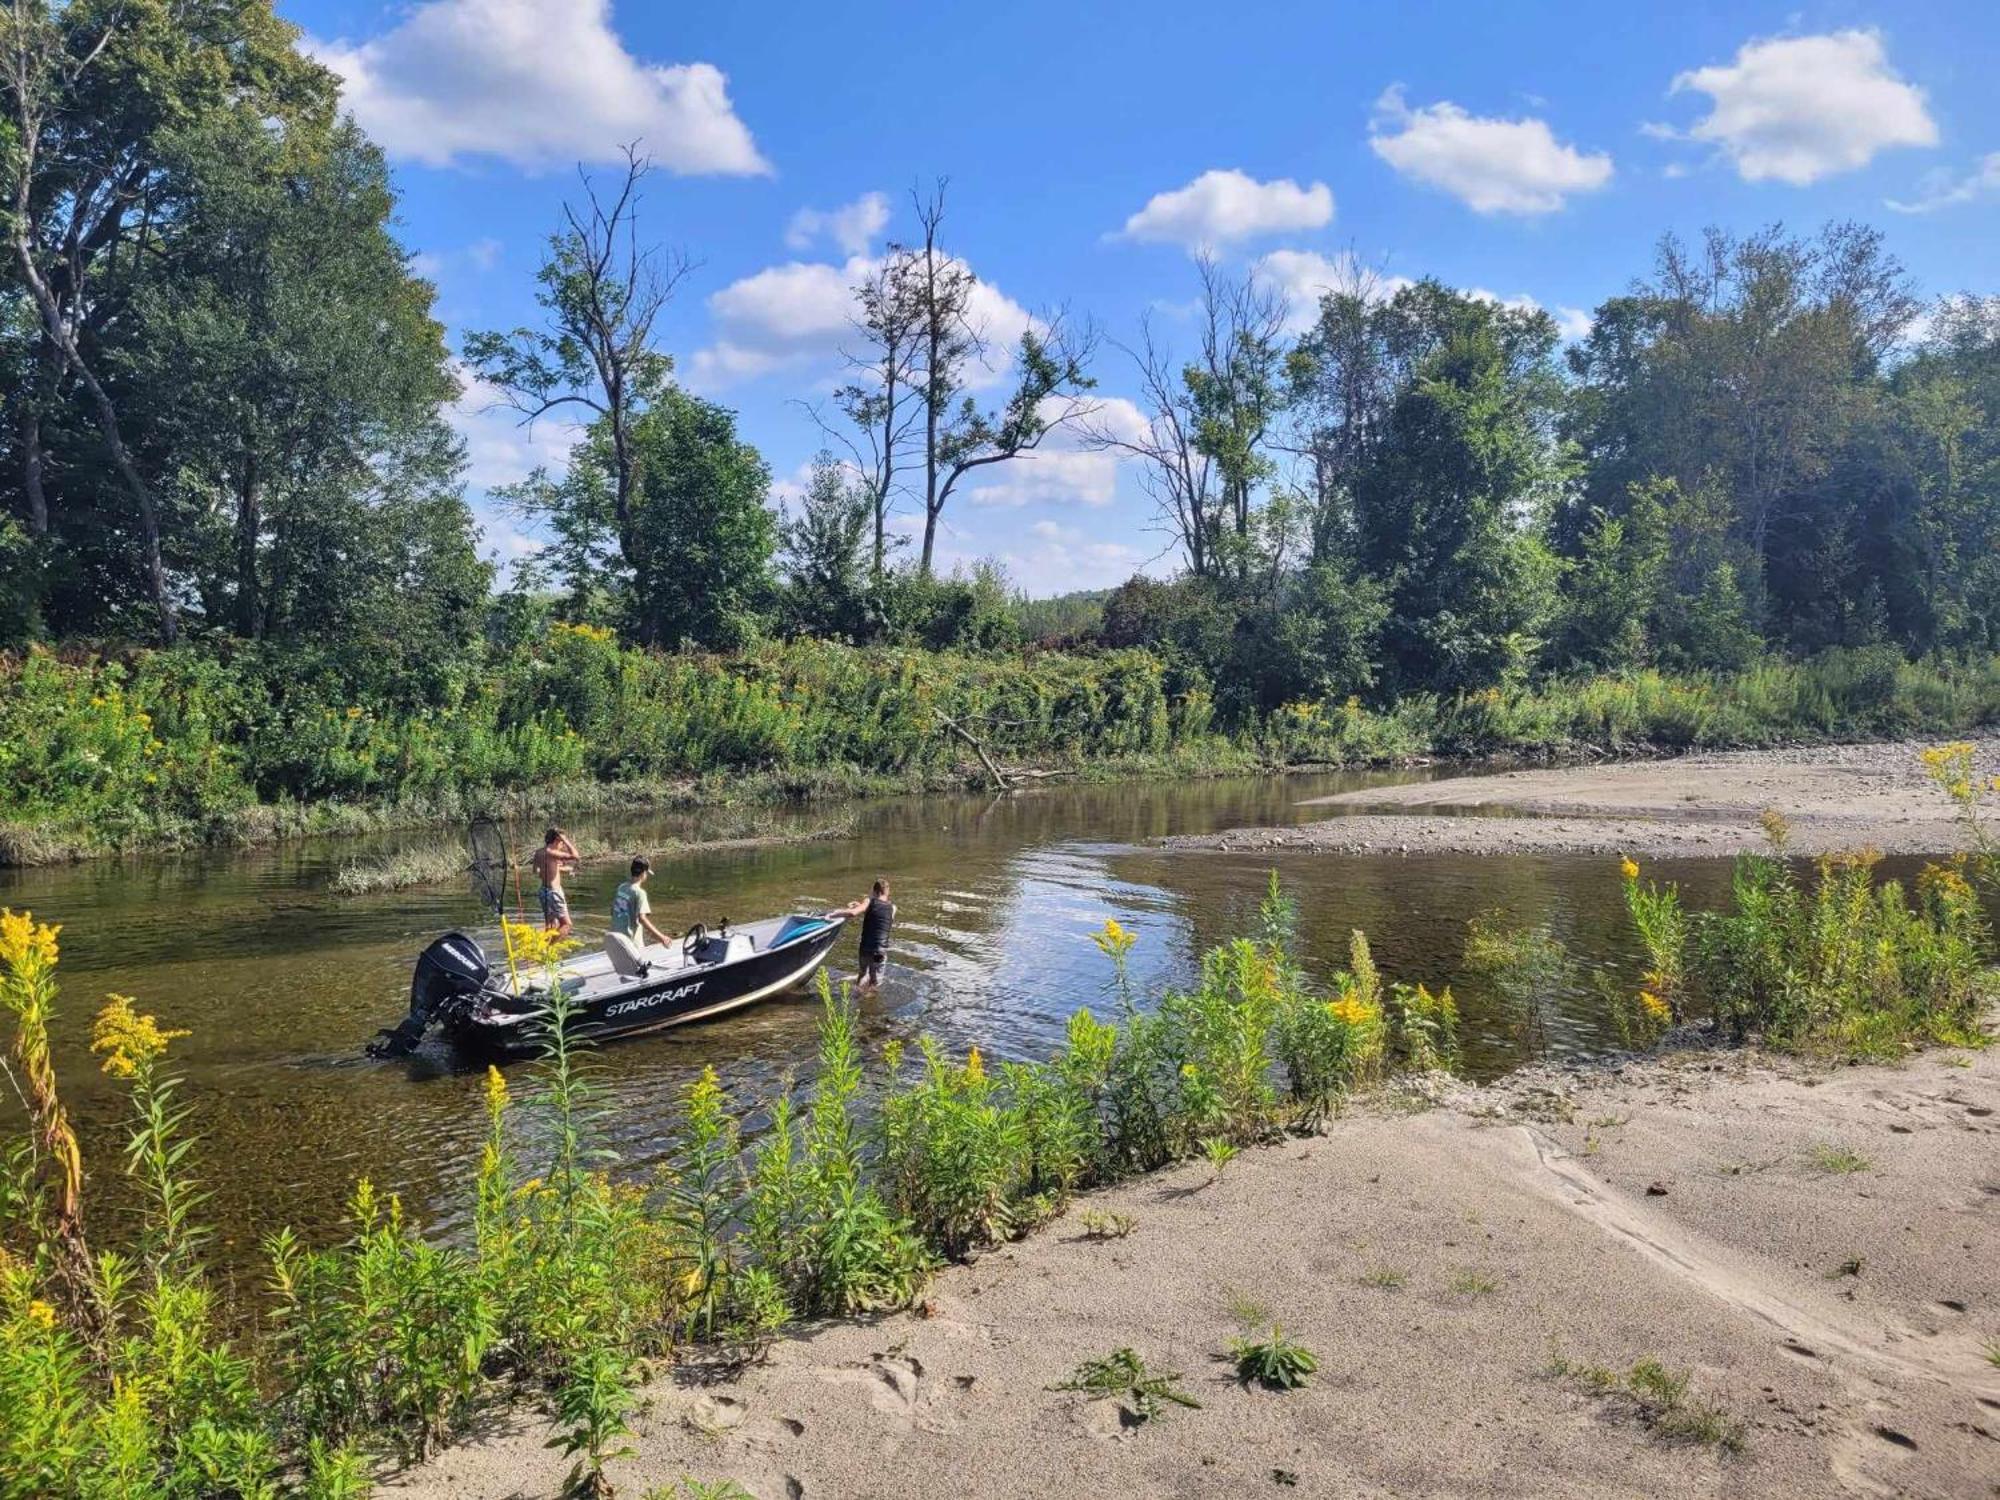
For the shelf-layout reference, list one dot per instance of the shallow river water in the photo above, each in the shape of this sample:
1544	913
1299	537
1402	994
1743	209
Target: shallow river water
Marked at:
281	982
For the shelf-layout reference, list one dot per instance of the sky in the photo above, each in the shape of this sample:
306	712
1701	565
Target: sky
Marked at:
1529	151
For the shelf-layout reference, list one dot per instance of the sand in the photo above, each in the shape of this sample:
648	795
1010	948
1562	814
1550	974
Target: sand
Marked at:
1835	797
1681	1209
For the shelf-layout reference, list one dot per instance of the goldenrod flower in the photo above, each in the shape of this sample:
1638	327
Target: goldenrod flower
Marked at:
975	1066
1629	868
41	1314
496	1090
1352	1012
1655	1007
24	942
128	1041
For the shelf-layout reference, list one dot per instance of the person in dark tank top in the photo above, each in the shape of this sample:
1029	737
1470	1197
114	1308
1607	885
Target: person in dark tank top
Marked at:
878	916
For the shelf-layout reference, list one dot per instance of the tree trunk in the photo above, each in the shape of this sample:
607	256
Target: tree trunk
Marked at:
32	486
249	529
107	422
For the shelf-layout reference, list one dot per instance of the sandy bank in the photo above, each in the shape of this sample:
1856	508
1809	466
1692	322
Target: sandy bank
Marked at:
1835	797
1688	1210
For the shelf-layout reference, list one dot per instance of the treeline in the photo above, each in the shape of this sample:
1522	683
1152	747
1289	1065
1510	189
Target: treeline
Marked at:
227	427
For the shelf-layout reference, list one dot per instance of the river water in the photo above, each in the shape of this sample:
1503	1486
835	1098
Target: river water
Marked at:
281	982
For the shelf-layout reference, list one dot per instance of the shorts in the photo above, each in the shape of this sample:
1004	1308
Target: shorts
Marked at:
555	906
871	966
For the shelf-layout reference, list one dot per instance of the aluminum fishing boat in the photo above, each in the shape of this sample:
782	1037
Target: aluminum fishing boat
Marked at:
621	990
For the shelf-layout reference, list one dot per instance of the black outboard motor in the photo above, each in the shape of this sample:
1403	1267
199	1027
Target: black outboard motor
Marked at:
452	971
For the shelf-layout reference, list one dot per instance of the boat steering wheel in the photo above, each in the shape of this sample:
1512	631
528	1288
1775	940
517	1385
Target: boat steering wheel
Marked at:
693	939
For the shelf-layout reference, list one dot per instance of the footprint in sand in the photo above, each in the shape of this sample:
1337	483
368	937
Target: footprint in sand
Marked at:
897	1388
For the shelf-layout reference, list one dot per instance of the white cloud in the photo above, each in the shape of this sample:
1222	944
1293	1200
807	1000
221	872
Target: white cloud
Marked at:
499	449
538	83
851	228
1948	189
1064	470
482	254
1493	166
801	315
1572	323
1064	558
1302	277
1222	207
1801	108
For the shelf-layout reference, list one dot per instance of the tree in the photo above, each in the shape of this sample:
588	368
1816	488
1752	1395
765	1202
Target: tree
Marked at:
1750	364
601	294
97	94
958	438
823	551
1173	467
702	523
1448	509
881	401
1235	388
287	353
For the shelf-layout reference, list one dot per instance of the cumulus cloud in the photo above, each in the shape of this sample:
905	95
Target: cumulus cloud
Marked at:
801	314
499	448
1801	108
1066	469
1302	277
1949	189
1493	166
537	83
1222	207
1061	558
851	228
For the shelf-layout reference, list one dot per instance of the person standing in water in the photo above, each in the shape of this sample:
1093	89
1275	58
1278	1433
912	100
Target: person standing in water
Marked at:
632	908
878	915
556	856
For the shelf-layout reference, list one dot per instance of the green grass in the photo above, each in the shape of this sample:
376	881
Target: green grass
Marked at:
1837	1160
1660	1398
1475	1283
1386	1278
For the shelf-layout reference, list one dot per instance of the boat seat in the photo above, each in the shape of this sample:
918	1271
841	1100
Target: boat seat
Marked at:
626	961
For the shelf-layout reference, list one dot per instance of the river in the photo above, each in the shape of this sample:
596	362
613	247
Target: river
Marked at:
282	982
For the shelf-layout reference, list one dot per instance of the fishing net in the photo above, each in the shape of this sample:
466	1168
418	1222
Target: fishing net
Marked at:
487	847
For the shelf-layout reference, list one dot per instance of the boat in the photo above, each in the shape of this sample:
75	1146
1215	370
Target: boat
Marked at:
621	990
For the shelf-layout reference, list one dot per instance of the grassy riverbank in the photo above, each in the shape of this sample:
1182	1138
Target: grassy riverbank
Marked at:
171	749
115	1369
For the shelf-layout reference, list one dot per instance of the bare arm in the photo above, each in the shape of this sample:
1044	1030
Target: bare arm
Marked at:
852	909
663	938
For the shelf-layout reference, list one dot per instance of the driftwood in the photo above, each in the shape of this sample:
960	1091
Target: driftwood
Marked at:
1000	781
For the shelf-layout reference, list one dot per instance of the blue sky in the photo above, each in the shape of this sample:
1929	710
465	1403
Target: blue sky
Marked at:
1530	151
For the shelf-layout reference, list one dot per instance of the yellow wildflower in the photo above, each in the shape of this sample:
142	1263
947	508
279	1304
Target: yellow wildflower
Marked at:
975	1066
353	712
24	942
1188	1070
1352	1012
496	1090
1629	868
1113	939
1655	1007
128	1041
41	1314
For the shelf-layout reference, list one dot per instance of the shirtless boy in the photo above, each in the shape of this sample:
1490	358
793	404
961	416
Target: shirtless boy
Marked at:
556	856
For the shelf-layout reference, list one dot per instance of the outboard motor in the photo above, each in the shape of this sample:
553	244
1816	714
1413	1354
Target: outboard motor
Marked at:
450	972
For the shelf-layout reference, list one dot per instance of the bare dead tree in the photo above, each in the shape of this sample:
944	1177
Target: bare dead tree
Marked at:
1174	471
940	289
1236	384
601	292
54	249
881	402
